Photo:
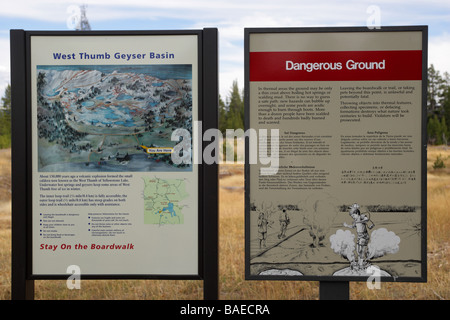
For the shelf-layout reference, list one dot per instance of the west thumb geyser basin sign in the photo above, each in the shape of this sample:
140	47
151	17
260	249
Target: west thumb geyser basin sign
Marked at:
112	193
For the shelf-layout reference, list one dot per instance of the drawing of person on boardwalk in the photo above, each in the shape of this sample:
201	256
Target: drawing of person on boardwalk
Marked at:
262	229
284	222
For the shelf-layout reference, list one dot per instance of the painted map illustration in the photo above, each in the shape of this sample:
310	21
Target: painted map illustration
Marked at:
108	117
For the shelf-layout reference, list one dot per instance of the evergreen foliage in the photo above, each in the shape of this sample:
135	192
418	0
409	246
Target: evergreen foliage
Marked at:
438	107
231	111
5	119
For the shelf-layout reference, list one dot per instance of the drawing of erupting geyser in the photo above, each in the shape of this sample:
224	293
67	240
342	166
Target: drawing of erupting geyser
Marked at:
343	243
320	211
382	242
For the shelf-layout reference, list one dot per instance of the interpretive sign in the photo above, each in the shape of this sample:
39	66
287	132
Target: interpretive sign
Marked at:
344	111
114	181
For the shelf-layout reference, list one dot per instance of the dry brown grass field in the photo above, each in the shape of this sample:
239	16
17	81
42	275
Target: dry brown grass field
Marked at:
232	283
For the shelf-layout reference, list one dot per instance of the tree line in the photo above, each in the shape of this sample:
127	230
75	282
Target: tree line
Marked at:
438	107
231	110
5	119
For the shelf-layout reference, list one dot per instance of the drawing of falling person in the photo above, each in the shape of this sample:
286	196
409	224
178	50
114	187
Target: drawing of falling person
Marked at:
284	221
360	222
262	229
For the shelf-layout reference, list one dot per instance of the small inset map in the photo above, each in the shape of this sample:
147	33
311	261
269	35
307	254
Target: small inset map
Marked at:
106	117
163	200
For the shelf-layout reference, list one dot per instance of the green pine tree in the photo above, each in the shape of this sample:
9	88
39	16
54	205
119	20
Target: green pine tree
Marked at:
444	131
432	129
231	114
222	116
235	108
236	102
5	119
430	125
446	107
437	131
436	88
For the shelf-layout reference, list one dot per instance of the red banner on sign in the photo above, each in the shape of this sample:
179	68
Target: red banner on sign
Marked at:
336	66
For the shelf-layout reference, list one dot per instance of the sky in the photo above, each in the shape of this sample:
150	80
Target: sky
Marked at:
230	17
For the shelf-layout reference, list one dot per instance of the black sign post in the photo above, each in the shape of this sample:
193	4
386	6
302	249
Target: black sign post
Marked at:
334	290
184	87
211	173
21	286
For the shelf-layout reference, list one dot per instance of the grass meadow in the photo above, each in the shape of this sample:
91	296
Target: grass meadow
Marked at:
232	283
